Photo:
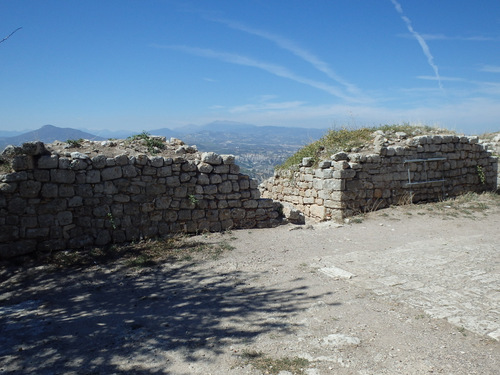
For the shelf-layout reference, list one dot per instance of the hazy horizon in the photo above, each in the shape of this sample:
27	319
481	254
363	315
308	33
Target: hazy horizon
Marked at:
124	65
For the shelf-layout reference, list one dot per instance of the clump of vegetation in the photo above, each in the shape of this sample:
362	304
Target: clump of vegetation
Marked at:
5	165
146	253
75	143
347	140
153	144
270	365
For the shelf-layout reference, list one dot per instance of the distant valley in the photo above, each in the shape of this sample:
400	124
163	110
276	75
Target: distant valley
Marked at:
258	149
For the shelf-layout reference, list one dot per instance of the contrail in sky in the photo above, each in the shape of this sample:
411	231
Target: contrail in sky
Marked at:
277	70
293	48
420	40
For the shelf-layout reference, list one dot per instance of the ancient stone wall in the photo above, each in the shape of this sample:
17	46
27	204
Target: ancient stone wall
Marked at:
53	202
424	168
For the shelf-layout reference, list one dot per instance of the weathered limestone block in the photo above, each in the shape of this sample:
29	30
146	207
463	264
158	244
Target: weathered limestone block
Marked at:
62	176
66	190
339	156
8	187
157	161
41	175
189	166
307	162
163	171
222	169
211	158
34	148
93	176
37	232
16	206
210	189
225	187
324	173
141	159
64	217
15	249
324	164
205	168
317	211
99	161
22	162
215	179
14	177
228	159
234	169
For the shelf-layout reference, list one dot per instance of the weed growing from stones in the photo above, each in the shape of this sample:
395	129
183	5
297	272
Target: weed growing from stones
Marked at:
269	365
153	144
75	143
348	140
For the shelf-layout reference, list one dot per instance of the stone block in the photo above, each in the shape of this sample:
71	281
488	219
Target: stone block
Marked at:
340	156
318	211
228	159
37	232
211	158
66	190
62	176
307	162
22	162
173	181
14	177
7	188
16	206
34	148
12	250
99	161
215	179
210	189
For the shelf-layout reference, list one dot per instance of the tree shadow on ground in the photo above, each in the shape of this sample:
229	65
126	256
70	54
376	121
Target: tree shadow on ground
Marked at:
104	320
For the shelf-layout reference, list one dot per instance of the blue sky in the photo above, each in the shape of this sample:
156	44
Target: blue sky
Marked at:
146	64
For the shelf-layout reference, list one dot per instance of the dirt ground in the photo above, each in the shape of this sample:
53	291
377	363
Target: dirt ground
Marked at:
408	290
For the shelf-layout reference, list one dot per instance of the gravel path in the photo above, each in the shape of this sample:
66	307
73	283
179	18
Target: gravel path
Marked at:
406	291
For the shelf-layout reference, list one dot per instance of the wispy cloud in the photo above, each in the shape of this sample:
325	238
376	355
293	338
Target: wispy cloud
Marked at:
490	68
434	78
274	69
421	41
474	38
275	106
292	47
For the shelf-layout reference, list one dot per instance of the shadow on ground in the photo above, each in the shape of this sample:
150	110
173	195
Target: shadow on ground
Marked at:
102	321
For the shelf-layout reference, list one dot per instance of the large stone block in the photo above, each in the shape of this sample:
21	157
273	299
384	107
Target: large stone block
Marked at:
62	176
211	158
22	162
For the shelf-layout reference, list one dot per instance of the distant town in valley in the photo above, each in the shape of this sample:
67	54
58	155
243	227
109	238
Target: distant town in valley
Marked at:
258	149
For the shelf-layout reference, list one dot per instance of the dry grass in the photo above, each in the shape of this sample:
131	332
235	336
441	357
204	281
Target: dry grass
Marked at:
268	365
470	205
346	139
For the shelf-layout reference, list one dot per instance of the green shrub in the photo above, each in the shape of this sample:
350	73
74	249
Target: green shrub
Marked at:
75	143
153	144
346	139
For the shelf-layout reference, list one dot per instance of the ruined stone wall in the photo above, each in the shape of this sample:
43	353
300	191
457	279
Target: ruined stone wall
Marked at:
52	202
424	168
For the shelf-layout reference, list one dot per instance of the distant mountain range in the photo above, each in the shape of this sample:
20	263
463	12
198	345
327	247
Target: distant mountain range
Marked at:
213	134
257	148
47	134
